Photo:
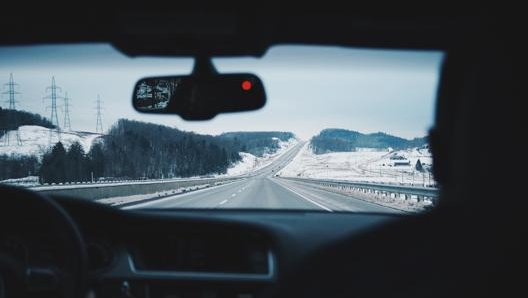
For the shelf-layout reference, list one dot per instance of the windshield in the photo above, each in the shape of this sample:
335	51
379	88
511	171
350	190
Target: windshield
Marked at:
342	130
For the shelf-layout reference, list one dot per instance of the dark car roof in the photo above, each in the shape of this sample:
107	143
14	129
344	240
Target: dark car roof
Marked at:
157	29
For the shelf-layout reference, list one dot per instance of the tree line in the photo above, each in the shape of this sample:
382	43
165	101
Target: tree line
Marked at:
18	166
341	140
157	151
257	143
72	165
137	150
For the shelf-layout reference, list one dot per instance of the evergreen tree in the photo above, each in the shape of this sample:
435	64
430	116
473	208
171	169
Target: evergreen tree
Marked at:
96	161
76	169
419	166
53	168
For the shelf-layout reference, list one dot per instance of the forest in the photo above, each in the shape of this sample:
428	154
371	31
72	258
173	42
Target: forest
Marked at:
342	140
18	167
257	143
138	150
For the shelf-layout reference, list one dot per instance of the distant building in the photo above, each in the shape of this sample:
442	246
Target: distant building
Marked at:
398	160
405	162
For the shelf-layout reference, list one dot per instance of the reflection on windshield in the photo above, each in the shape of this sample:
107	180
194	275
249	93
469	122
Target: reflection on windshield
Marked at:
343	130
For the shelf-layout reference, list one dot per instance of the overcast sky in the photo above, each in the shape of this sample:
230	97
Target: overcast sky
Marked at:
308	88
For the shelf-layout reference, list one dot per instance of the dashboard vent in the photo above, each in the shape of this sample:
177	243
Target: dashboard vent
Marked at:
219	251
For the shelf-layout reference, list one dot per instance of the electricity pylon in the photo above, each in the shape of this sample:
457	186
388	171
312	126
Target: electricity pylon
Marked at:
67	123
99	124
11	114
53	95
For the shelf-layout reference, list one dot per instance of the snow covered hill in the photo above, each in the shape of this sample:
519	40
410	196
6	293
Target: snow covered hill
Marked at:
364	165
35	140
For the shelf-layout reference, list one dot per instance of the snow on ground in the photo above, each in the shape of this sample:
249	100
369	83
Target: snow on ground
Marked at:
247	164
117	182
251	162
367	165
363	165
36	140
113	201
28	181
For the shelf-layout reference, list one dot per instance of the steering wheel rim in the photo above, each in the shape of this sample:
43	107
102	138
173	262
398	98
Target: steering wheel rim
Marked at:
19	204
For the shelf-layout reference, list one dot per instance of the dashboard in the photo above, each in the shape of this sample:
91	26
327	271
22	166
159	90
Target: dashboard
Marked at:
247	253
202	253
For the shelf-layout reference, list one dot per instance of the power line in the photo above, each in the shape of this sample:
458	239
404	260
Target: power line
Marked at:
53	95
99	124
11	115
67	123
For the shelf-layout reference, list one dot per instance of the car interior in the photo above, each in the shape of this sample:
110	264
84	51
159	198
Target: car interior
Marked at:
471	244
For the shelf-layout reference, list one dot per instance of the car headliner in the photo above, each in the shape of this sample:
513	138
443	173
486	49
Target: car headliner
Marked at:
244	32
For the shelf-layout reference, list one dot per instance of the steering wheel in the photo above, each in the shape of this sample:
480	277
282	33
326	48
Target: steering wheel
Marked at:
24	212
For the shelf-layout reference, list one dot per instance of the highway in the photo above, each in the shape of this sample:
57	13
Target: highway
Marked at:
261	190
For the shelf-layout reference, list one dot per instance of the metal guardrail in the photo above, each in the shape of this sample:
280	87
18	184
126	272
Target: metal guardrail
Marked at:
407	191
102	191
117	187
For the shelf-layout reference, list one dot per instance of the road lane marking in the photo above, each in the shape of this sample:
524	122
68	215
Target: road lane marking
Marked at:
180	196
306	198
340	205
223	202
233	195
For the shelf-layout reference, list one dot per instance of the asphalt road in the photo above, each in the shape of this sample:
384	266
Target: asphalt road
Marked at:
262	190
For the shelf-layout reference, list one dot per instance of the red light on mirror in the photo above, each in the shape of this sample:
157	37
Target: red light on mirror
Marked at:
246	85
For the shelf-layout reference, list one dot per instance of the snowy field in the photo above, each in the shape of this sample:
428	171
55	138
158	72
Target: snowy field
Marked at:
364	165
37	139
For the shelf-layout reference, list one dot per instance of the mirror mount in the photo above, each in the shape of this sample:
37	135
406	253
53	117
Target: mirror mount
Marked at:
203	67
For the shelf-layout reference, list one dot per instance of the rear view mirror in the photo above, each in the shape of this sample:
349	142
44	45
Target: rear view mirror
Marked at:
199	97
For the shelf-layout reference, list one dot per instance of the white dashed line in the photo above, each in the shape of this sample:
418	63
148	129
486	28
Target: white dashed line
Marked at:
223	202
